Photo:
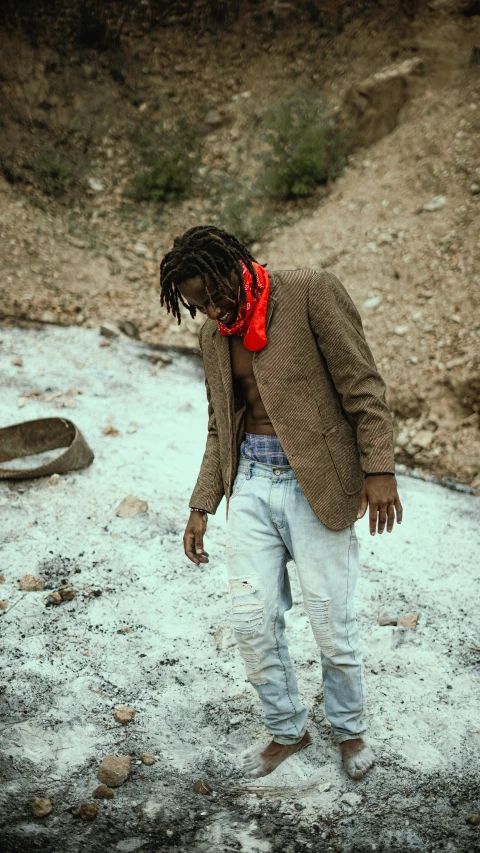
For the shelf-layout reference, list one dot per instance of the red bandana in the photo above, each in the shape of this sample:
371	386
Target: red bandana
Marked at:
251	322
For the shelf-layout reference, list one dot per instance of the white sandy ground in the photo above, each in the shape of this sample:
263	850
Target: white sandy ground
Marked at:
63	670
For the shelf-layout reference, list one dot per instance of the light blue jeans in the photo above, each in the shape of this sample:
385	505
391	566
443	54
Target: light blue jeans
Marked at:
269	522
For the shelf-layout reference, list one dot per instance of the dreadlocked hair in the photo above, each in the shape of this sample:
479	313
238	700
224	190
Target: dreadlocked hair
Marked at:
203	250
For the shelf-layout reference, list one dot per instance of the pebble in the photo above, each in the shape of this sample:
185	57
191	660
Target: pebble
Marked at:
213	119
108	330
423	439
130	329
88	811
373	302
67	592
385	619
401	330
409	621
128	845
475	189
18	362
435	203
131	506
114	769
30	583
41	806
140	249
124	714
103	792
352	799
53	600
147	758
53	480
95	185
474	819
2	579
202	787
3	604
111	430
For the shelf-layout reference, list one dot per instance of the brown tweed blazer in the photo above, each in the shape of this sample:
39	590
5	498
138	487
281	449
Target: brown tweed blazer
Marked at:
322	392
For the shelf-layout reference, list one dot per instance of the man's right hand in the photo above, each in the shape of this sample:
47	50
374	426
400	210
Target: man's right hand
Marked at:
193	538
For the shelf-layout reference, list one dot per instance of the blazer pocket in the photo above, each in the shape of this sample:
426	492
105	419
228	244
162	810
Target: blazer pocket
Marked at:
343	449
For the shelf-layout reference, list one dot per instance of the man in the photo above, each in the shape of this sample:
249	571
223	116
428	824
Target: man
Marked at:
300	443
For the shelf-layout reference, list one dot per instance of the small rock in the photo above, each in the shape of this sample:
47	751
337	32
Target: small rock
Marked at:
103	792
154	358
114	769
3	604
2	579
18	362
128	845
88	811
30	583
202	787
107	330
131	430
129	329
384	239
373	302
401	330
475	189
111	430
409	621
53	480
80	244
131	506
124	714
435	203
213	119
385	619
352	799
53	600
140	249
95	185
372	246
41	806
474	819
67	592
147	758
133	276
423	439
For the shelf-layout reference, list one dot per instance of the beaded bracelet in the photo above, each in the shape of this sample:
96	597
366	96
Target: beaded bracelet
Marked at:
196	509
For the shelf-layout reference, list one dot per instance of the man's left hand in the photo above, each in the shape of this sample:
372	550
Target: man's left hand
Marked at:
380	494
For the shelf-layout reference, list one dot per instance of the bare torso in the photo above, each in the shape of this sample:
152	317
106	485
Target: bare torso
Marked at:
245	386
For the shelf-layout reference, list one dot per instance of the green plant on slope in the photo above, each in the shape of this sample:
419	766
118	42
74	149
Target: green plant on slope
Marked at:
304	148
168	163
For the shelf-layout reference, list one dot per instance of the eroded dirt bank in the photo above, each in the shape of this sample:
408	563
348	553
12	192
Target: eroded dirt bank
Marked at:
400	227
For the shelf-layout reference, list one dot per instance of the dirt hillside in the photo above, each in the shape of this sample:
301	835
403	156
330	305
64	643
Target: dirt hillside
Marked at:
399	226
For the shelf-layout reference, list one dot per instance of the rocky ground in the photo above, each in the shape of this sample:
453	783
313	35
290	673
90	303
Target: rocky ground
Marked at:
135	624
400	226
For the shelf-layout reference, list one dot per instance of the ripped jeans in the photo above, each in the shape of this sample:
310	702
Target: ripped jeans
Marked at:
270	522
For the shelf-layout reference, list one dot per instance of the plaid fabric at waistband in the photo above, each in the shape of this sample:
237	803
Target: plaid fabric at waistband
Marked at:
263	448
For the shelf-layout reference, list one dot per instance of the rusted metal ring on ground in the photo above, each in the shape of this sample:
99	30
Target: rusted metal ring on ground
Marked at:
34	437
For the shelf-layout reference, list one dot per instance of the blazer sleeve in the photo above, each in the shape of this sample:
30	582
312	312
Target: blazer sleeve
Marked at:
338	329
209	488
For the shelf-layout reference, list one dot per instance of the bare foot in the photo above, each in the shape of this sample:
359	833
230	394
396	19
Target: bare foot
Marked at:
357	757
260	762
